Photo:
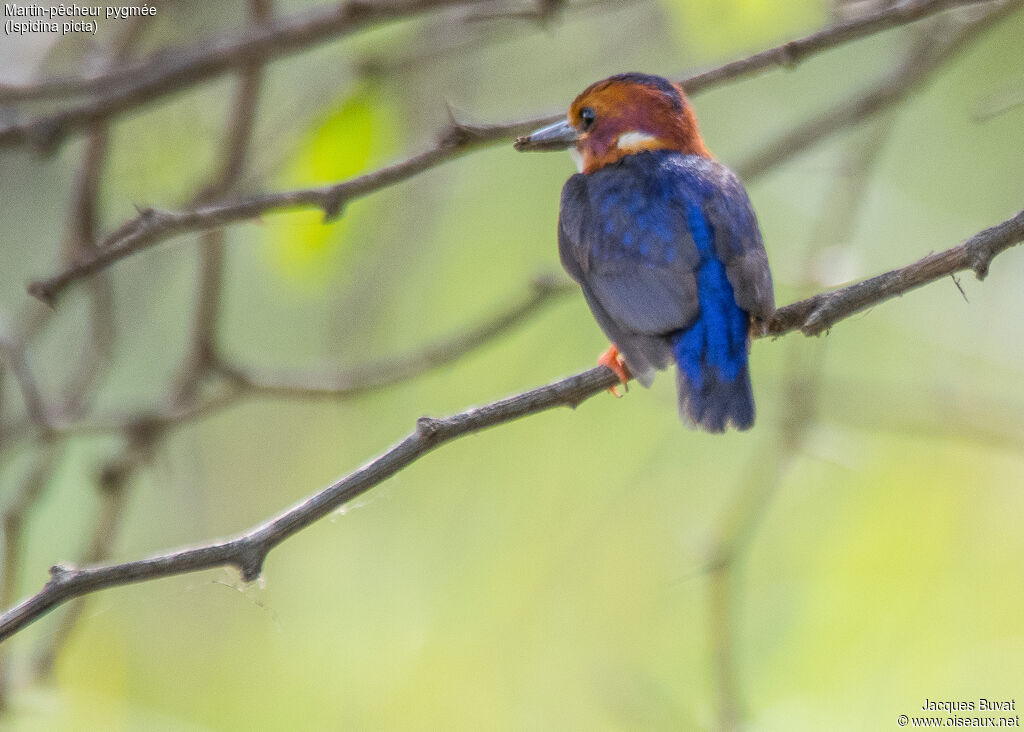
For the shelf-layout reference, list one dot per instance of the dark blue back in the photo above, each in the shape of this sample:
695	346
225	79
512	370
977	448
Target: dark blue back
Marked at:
667	249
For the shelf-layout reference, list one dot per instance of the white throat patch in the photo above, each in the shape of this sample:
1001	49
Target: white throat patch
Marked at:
576	158
633	139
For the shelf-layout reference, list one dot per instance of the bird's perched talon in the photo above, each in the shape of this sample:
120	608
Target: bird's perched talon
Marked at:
613	360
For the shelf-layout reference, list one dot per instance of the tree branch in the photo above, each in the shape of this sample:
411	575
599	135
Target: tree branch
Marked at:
153	226
12	354
790	54
819	313
144	427
248	550
394	370
173	70
924	58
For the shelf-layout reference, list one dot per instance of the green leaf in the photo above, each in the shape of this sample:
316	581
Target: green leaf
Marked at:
353	137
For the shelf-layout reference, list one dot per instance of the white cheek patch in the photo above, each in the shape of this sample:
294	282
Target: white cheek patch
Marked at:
634	139
576	158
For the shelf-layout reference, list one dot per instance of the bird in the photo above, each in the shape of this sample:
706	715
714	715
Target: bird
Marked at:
664	242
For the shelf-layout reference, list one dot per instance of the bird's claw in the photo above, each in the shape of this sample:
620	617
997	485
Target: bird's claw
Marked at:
613	360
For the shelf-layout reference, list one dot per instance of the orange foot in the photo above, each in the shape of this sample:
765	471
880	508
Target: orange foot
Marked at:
613	360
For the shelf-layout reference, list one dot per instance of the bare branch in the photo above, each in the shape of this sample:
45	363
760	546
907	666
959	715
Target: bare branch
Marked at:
145	427
819	313
235	148
175	69
12	354
153	226
247	551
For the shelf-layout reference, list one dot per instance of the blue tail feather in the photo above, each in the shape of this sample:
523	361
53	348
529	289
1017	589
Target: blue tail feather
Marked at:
713	379
711	395
714	382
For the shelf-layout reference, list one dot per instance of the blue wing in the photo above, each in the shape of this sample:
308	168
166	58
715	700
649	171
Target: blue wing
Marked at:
666	245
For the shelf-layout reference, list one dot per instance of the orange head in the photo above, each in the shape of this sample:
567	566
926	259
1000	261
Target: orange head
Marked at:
622	115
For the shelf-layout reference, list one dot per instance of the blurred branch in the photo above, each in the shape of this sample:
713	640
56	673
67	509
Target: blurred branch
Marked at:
766	470
473	34
13	523
247	551
81	241
175	69
153	226
790	54
389	372
235	148
763	475
12	355
926	56
104	533
144	428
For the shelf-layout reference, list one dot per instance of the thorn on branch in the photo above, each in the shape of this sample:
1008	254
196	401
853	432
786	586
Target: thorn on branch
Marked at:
42	292
428	428
956	281
250	561
979	259
460	134
60	573
334	206
789	55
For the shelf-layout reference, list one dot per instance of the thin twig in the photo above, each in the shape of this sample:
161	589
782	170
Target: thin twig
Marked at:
153	226
248	550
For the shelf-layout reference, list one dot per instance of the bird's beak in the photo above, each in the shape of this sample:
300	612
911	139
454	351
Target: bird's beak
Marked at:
558	136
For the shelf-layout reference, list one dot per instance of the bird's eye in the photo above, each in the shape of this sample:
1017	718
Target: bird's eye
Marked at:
587	117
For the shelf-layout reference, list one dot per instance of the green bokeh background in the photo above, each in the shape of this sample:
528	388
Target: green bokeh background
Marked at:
551	573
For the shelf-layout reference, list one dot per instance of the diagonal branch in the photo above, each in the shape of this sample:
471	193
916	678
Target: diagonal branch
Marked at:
395	370
179	68
173	70
930	53
153	226
819	313
145	427
248	550
790	54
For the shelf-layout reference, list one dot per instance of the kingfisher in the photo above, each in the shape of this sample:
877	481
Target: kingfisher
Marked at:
664	242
